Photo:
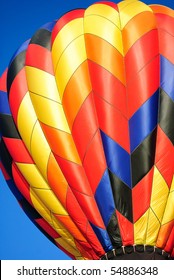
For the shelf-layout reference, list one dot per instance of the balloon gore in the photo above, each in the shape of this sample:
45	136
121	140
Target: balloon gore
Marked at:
87	131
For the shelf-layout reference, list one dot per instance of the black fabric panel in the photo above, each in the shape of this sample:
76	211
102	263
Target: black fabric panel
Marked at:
122	196
33	215
43	38
7	127
166	115
14	68
114	231
5	158
142	159
29	210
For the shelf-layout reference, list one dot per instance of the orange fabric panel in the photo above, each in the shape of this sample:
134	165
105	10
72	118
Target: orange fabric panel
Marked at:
57	180
139	25
77	90
61	143
97	48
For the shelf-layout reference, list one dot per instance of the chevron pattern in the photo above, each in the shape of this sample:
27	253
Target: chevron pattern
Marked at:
88	134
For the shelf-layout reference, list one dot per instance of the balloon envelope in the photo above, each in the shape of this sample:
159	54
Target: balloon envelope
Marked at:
87	130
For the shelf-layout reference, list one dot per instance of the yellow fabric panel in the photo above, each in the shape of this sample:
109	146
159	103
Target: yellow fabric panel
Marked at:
104	11
48	198
66	35
62	242
125	3
131	10
140	228
42	83
50	112
50	201
159	194
105	29
26	119
32	175
169	210
41	188
40	150
53	222
41	208
152	228
73	56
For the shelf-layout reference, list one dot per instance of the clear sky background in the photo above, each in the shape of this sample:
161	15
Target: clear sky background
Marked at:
19	238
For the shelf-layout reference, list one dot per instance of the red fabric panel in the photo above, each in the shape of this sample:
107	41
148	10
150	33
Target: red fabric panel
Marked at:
126	229
113	123
94	162
21	183
83	224
78	182
3	86
143	86
165	22
170	242
17	150
88	142
144	49
166	40
141	195
4	172
64	20
17	92
163	160
108	87
39	57
85	126
47	228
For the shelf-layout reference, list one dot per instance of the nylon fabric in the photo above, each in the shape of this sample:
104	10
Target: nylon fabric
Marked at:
87	132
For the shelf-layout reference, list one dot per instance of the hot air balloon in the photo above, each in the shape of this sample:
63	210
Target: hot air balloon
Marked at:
86	119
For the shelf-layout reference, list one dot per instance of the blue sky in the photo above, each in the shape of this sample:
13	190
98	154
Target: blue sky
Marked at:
19	238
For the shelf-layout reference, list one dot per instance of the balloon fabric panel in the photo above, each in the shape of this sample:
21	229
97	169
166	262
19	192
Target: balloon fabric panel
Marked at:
20	187
87	136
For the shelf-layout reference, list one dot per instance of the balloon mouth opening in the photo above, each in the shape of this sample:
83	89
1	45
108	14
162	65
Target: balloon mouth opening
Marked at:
137	252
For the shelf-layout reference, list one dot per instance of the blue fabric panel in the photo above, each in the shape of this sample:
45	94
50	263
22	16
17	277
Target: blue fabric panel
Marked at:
118	160
22	48
104	198
49	26
143	121
4	106
167	76
103	237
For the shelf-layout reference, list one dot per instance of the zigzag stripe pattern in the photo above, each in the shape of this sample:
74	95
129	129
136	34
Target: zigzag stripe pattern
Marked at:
48	163
164	160
20	187
95	90
122	103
